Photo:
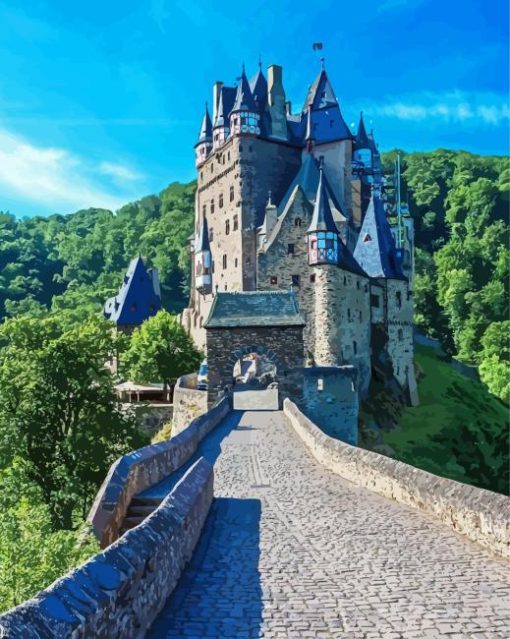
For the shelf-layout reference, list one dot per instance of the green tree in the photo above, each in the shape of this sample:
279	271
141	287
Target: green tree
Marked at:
58	410
160	351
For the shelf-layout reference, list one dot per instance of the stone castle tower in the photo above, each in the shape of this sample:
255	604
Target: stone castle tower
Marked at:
295	200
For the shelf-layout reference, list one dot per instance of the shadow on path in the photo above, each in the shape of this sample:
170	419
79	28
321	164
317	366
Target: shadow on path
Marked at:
219	594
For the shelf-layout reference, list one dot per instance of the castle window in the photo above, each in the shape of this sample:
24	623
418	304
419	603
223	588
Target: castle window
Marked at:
367	238
225	287
345	280
298	221
133	308
220	200
224	261
201	176
290	249
212	205
296	280
349	314
399	299
235	262
228	156
211	235
374	301
204	209
312	278
227	227
212	167
355	348
236	222
212	266
274	279
400	334
357	284
360	316
231	193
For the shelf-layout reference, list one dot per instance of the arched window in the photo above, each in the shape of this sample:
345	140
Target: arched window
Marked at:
220	200
212	205
298	221
231	193
227	227
236	222
399	299
400	334
355	348
211	235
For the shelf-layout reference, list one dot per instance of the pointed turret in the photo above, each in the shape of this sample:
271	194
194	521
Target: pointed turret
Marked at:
221	125
362	140
244	117
258	87
203	260
323	239
375	249
204	143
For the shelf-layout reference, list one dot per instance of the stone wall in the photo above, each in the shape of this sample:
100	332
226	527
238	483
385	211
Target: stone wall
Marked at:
150	417
119	592
189	403
330	396
143	468
481	515
282	345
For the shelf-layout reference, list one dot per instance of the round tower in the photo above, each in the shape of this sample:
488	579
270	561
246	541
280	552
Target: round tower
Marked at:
244	117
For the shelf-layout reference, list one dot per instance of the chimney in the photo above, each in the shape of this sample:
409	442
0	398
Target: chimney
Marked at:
216	98
274	83
276	102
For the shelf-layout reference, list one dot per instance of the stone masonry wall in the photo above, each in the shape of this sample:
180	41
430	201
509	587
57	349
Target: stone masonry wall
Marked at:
189	403
283	346
119	592
400	331
143	468
479	514
335	303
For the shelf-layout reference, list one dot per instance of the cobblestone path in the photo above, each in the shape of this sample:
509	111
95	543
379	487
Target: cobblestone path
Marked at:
291	550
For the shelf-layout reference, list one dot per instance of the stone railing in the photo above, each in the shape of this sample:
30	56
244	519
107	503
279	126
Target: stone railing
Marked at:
136	471
119	592
481	515
188	402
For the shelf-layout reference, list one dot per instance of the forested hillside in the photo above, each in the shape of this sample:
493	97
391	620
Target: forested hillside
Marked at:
459	202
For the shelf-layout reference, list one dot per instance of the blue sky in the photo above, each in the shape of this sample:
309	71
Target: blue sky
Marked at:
100	102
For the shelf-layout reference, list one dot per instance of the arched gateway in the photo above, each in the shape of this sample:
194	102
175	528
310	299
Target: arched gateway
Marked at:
268	324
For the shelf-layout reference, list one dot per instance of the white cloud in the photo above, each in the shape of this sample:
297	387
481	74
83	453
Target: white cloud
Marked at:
461	107
119	171
55	177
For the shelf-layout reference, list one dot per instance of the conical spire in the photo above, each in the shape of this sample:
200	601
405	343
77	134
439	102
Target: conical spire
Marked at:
322	218
375	249
320	94
244	99
205	134
258	87
203	238
362	139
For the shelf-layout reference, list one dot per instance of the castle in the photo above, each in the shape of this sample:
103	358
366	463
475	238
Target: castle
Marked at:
296	201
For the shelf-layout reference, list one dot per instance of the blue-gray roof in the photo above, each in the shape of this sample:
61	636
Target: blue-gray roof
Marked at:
244	99
362	140
322	218
138	297
375	249
254	308
225	104
205	134
203	238
258	86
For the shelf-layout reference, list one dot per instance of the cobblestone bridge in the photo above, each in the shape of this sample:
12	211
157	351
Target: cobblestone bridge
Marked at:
291	550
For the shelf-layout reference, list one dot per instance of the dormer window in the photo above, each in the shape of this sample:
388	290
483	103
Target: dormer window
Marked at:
212	205
367	238
298	221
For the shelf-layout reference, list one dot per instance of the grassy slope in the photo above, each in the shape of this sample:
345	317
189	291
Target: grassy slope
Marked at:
459	430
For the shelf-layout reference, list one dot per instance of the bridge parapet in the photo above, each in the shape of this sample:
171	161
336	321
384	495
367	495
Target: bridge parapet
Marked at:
143	468
119	592
481	515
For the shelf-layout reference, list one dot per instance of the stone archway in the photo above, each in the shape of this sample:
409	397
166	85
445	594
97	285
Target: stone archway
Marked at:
267	323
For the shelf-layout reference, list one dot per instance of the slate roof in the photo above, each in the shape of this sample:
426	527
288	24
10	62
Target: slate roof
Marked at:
203	237
322	218
375	249
244	99
320	94
138	298
205	134
254	308
258	87
225	104
362	139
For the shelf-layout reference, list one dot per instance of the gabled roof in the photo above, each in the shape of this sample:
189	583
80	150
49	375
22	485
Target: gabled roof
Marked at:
258	87
244	99
362	139
308	179
254	308
138	297
225	104
322	218
203	237
205	134
320	94
375	249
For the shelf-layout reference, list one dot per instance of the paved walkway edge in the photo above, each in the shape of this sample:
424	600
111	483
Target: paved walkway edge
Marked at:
481	515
